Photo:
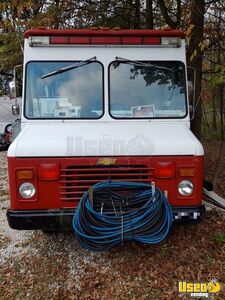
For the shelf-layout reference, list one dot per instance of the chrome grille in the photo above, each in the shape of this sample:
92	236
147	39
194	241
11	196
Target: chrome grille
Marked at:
75	180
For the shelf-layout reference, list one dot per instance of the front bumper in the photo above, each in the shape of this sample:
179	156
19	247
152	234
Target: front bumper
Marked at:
61	220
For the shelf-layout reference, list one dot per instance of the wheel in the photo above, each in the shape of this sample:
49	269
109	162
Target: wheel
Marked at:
1	138
8	128
4	147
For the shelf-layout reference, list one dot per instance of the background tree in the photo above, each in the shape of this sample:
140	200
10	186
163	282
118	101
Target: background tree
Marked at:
195	57
149	14
171	12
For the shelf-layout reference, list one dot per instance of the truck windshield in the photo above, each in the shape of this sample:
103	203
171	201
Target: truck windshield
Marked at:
69	94
150	89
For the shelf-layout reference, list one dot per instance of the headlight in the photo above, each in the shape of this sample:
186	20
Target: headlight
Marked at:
185	187
27	190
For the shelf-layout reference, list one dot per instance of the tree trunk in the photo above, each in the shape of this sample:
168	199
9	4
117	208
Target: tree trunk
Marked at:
197	19
137	14
219	164
214	112
149	14
165	13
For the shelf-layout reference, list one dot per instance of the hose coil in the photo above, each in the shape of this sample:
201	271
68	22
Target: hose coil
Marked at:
110	213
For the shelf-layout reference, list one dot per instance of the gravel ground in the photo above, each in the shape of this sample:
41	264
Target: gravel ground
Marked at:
34	265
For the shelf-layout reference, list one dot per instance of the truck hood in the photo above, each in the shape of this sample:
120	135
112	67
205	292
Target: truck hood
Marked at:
104	139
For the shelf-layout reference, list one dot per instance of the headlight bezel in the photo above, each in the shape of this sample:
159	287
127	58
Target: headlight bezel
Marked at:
22	189
185	188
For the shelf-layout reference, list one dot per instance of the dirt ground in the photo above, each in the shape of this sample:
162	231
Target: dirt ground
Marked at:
34	265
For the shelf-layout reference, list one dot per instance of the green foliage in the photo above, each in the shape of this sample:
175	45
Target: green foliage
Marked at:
219	77
10	51
211	136
220	238
4	85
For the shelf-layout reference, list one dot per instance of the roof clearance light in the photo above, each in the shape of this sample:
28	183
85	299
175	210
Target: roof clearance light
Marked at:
151	40
59	40
38	40
171	41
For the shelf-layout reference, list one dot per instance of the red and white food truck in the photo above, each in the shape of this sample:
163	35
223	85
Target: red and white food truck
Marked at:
102	104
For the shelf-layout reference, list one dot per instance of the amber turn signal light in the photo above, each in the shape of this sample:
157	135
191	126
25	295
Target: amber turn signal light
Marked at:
187	172
24	174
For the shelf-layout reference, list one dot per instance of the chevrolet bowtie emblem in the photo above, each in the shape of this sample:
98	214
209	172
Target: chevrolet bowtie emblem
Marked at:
106	161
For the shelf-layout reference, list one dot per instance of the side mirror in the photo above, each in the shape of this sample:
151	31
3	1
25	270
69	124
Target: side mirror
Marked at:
12	90
191	72
15	109
190	88
16	84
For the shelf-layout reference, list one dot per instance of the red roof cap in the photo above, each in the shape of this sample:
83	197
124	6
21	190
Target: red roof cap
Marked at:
105	32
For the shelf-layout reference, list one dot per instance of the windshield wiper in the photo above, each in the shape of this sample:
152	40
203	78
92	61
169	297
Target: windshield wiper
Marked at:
142	64
70	67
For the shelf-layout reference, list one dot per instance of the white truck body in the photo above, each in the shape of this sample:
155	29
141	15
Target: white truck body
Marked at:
54	137
137	130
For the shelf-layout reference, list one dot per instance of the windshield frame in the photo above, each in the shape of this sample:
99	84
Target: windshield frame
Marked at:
60	118
149	118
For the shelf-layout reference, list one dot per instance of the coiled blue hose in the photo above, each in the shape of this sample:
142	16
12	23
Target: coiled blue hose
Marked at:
113	212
